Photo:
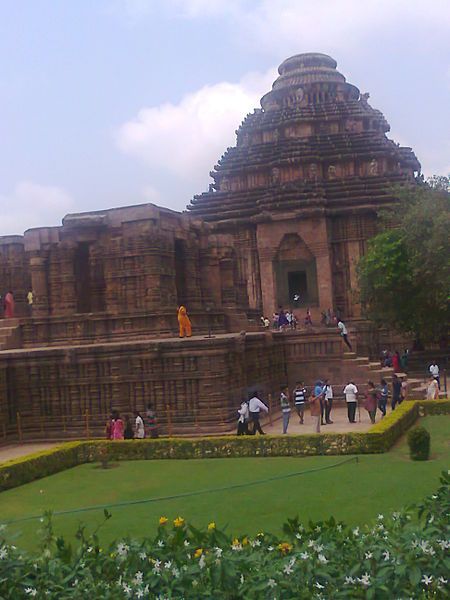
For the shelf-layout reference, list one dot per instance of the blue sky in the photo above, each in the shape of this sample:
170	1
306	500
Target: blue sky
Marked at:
112	102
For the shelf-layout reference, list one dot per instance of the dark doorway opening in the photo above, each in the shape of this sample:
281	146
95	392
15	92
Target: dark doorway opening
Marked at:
82	277
180	271
297	284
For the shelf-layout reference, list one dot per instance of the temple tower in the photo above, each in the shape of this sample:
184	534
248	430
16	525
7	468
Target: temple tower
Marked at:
300	190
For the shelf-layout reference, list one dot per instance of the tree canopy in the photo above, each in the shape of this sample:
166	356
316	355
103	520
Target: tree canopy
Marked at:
404	278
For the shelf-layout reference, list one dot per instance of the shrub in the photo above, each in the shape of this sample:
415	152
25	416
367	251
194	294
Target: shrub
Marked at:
402	555
419	443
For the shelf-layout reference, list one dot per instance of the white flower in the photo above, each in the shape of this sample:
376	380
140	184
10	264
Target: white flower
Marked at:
349	580
142	555
241	579
321	558
356	531
90	549
122	549
444	544
186	543
288	569
380	517
218	551
2	527
139	593
3	553
368	555
304	555
126	589
311	544
319	586
431	519
365	579
157	567
271	583
318	528
298	536
442	580
270	548
160	543
138	578
427	580
318	548
202	561
386	555
236	546
194	583
395	515
31	591
175	572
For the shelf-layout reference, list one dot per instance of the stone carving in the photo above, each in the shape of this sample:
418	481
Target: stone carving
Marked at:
275	175
313	171
276	135
331	172
373	167
225	185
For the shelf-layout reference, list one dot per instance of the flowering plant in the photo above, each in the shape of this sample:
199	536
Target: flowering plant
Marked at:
402	555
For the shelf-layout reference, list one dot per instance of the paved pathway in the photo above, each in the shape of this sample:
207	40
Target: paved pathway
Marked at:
338	416
12	451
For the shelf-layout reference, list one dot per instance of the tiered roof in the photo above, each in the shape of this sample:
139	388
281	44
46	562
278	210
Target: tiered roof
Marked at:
315	145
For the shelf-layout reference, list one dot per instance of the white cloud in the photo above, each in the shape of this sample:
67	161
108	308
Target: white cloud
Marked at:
187	138
33	205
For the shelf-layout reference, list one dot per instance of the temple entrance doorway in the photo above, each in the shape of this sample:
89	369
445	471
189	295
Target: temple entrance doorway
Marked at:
297	284
82	278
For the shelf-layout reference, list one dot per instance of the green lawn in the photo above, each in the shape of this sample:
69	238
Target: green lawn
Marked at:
354	492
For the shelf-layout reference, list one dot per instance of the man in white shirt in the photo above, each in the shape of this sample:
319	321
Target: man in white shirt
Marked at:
328	401
139	430
351	392
432	389
255	406
343	331
434	370
243	419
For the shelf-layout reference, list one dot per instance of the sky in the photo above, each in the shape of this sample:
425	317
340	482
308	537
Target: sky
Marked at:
109	103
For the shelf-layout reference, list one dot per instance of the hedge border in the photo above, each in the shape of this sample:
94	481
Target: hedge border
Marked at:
377	440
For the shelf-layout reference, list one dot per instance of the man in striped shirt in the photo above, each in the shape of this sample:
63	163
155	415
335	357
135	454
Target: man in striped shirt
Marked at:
299	395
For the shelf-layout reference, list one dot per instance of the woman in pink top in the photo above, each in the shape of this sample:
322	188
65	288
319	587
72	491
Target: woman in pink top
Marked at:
116	427
9	305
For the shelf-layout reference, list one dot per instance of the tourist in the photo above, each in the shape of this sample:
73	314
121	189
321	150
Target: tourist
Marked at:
308	319
370	403
255	406
396	362
285	407
139	429
294	321
396	391
242	428
128	433
383	394
30	300
432	389
299	394
289	319
434	370
404	360
318	393
117	427
184	323
282	320
275	318
9	305
314	404
351	392
328	401
344	333
152	424
266	323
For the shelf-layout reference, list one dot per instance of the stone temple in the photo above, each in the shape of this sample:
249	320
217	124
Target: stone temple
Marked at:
289	213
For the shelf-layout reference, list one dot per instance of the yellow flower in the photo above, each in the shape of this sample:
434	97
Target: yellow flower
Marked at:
163	520
198	552
260	534
284	547
245	541
178	522
211	525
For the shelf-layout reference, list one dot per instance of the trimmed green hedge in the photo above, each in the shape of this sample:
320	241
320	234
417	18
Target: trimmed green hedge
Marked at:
377	440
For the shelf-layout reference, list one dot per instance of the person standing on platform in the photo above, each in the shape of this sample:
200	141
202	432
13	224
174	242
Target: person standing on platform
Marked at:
351	392
128	433
344	333
9	305
328	401
370	403
396	361
152	423
383	397
117	429
404	392
184	323
396	391
318	393
242	428
139	429
434	370
285	407
255	406
299	393
314	403
432	389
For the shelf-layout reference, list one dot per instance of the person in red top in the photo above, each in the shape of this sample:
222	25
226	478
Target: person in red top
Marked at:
396	362
117	427
9	305
370	403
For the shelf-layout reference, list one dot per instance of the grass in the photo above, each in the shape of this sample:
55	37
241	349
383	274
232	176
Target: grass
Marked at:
353	492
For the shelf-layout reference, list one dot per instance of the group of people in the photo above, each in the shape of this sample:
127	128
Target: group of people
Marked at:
399	363
129	429
434	382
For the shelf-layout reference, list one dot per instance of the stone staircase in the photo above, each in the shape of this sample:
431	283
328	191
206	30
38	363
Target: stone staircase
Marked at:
9	334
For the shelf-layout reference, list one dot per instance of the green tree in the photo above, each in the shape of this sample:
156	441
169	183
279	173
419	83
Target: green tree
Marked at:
404	278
